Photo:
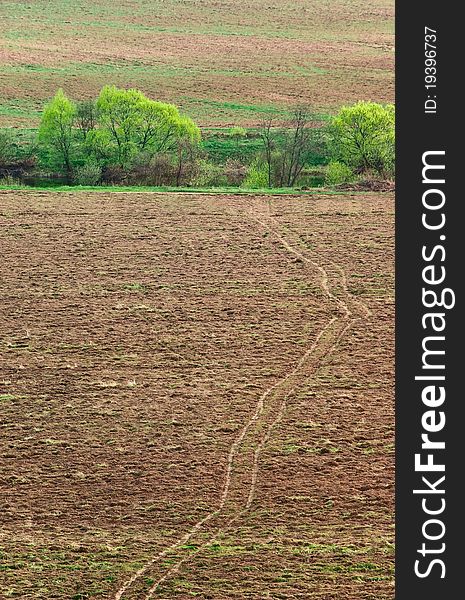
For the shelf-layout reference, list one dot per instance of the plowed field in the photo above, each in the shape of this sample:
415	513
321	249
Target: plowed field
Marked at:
223	62
196	396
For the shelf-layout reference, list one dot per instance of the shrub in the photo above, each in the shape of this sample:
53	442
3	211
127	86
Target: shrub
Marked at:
162	170
257	176
238	132
155	170
235	172
208	174
9	180
338	173
113	175
7	147
88	174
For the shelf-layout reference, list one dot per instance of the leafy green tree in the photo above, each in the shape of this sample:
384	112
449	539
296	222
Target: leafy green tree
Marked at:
363	137
99	146
119	121
56	130
132	123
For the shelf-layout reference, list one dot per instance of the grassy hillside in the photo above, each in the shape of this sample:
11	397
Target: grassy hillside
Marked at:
222	61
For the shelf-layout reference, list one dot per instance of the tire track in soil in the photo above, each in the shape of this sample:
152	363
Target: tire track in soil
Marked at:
266	413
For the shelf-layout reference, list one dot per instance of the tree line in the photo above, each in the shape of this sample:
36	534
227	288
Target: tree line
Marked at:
123	136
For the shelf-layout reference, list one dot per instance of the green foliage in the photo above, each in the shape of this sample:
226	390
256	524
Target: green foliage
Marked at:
99	145
134	123
237	132
125	137
208	174
88	174
56	130
120	121
113	131
338	173
7	147
257	176
363	137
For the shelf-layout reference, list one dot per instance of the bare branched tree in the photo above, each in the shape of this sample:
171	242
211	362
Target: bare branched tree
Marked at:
296	147
287	147
86	117
269	143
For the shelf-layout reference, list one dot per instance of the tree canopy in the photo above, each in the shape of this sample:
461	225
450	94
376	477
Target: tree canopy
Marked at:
362	137
122	136
114	129
56	129
133	123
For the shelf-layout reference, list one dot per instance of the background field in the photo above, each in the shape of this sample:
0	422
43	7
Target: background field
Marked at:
224	62
140	333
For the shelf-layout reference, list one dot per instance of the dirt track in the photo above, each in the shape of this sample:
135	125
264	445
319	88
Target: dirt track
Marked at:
197	396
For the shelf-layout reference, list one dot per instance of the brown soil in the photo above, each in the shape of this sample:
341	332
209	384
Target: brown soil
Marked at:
222	62
197	396
369	185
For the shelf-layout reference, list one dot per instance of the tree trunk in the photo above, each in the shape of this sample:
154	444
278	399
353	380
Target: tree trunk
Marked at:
179	170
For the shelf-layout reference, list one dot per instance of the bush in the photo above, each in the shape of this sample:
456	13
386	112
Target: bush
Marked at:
9	180
238	132
7	147
113	175
155	170
389	167
208	174
235	172
88	174
162	170
338	173
257	176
